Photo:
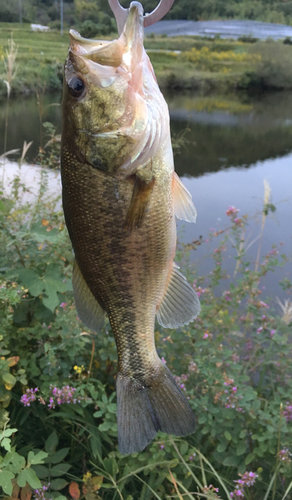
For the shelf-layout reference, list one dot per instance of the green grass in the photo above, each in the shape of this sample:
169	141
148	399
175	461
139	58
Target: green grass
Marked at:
41	58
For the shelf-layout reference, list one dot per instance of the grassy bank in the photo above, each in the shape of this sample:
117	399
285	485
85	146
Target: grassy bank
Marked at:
179	62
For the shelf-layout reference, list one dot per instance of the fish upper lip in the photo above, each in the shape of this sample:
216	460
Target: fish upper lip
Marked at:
130	40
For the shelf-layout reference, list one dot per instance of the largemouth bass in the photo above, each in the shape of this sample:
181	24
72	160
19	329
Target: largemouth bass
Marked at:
120	198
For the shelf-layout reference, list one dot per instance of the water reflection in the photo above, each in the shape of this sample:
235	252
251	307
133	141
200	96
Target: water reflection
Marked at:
221	139
231	146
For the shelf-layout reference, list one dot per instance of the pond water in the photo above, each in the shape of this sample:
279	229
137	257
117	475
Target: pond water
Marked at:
232	28
228	147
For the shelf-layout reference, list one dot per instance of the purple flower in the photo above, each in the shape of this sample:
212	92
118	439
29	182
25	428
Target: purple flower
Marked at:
260	329
29	396
288	412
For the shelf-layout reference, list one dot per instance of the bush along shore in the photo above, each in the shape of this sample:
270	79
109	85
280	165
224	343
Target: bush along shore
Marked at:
192	63
58	430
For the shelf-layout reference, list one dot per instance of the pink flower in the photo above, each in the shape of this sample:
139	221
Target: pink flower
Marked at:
231	211
205	336
63	305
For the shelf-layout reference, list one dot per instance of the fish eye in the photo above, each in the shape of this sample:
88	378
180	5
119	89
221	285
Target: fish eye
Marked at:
76	86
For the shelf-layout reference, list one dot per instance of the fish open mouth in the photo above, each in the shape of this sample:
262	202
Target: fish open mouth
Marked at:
125	52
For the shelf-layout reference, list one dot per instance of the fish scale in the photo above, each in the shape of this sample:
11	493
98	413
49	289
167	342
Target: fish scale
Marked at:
120	198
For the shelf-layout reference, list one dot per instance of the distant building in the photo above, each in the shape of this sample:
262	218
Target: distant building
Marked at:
39	27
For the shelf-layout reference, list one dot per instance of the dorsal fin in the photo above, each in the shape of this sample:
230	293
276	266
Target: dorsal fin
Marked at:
183	204
88	309
180	304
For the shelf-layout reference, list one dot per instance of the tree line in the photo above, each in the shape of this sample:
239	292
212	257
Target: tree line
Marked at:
97	12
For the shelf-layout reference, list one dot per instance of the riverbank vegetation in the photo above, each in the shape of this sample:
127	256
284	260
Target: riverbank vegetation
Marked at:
192	63
58	432
98	12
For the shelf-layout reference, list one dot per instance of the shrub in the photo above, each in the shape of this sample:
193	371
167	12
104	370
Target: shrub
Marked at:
89	29
233	363
274	67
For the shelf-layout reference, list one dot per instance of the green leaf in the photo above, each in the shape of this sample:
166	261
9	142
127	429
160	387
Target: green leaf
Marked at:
250	457
60	469
230	461
111	466
9	379
28	277
5	481
41	234
221	447
59	455
6	444
36	459
17	462
28	476
8	432
112	408
184	448
227	435
58	484
41	471
52	285
95	444
241	448
51	443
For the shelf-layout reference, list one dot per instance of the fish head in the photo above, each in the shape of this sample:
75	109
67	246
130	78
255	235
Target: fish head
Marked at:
111	100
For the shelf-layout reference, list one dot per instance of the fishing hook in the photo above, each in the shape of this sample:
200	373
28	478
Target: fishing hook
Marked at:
121	14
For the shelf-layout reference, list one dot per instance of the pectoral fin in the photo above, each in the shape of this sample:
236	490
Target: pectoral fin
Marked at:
183	204
180	304
139	202
88	309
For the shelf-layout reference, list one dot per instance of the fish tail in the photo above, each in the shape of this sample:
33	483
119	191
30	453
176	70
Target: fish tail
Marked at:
144	408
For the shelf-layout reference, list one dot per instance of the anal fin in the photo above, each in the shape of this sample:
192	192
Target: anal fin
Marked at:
184	208
180	304
139	202
88	309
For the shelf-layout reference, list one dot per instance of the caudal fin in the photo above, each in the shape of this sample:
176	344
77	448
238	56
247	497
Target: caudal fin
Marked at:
145	409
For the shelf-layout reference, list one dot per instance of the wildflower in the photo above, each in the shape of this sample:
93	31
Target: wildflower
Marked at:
211	488
161	446
260	329
40	493
62	396
29	396
247	479
193	368
288	412
231	211
262	304
163	360
206	335
63	305
199	290
226	295
285	455
79	369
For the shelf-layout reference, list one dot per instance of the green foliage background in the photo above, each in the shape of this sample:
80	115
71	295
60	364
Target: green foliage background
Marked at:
234	363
